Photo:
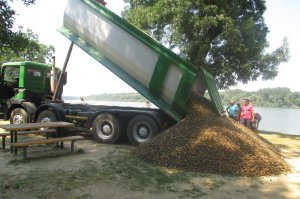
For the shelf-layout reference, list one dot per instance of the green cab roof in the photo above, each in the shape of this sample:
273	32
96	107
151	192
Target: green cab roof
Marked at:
27	63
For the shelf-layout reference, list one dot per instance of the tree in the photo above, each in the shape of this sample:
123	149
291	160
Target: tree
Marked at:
19	45
226	37
34	51
266	97
9	38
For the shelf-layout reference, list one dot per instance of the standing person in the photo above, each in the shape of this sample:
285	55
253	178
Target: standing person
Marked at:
257	119
239	112
82	101
247	115
232	110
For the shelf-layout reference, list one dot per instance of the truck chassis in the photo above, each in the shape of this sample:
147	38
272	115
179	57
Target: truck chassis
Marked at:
108	124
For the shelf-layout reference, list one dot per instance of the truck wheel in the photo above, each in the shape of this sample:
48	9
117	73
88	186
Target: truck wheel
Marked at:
18	116
46	116
106	128
141	128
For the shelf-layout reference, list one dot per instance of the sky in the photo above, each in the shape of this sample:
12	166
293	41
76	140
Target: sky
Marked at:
87	76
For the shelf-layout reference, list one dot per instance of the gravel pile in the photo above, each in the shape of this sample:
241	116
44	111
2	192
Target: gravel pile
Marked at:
205	142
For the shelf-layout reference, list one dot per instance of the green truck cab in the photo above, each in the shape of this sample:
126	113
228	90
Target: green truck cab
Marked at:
23	87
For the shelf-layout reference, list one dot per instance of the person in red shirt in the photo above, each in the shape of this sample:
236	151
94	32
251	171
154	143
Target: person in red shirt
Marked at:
247	115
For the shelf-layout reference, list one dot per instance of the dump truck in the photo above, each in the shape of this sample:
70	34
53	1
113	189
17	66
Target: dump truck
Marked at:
23	87
150	68
153	70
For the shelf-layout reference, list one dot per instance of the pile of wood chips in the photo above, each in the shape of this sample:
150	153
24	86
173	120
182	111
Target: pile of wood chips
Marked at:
205	142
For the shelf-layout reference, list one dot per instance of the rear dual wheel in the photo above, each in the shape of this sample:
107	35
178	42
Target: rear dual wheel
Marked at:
106	128
141	129
46	116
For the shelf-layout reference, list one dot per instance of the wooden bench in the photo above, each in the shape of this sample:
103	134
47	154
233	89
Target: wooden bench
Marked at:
4	135
26	144
45	131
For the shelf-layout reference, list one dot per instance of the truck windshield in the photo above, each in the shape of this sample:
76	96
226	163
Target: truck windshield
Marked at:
11	74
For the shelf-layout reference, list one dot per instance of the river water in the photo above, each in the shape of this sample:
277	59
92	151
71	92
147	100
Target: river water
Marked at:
280	120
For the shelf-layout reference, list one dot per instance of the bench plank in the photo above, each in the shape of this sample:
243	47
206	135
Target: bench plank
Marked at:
46	131
4	135
30	132
24	126
36	131
45	141
25	144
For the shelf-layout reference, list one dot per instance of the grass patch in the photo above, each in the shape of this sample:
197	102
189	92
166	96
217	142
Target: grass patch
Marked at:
289	144
193	193
281	135
139	174
281	140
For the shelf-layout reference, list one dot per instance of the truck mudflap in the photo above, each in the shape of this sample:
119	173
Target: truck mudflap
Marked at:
150	68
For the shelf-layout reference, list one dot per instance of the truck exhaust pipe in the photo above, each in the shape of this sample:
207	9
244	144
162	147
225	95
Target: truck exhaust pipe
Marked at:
53	77
58	91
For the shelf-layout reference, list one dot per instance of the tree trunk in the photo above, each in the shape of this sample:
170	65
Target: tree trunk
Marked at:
199	86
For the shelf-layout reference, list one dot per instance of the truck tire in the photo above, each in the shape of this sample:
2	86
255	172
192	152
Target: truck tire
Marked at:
141	128
106	128
18	116
46	116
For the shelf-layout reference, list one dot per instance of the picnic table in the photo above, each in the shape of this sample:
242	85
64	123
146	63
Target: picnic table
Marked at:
38	128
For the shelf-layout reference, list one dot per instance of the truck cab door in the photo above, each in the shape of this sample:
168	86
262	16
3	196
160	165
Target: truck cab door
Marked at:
11	76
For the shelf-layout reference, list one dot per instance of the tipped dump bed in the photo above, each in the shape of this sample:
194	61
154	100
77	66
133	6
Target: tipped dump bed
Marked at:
146	65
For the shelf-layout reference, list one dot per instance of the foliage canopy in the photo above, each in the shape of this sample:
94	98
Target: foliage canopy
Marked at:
226	37
267	97
34	51
19	45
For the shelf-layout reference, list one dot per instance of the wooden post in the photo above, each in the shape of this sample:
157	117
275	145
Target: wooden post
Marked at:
11	141
72	145
16	140
24	153
3	142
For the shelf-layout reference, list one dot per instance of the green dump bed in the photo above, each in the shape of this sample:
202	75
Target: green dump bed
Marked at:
146	65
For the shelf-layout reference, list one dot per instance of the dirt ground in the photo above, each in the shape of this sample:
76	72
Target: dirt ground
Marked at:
97	170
